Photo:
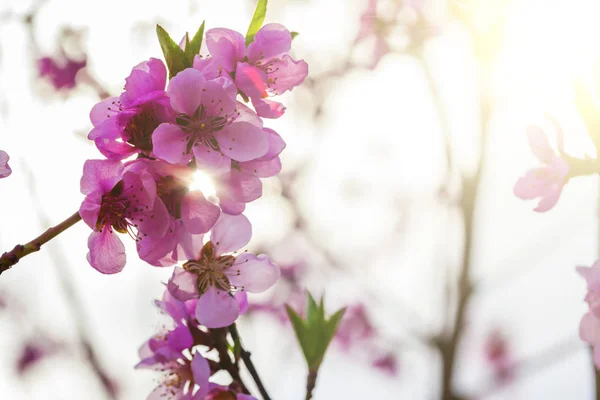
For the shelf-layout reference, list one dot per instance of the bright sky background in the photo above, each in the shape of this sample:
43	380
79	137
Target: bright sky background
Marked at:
377	165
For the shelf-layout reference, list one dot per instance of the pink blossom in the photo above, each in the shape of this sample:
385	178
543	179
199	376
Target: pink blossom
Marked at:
189	213
242	184
354	327
545	182
218	272
4	167
589	328
124	202
264	69
211	126
60	73
123	125
182	375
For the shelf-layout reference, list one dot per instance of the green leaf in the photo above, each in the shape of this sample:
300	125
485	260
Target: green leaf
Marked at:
294	34
193	47
299	329
257	20
316	331
174	56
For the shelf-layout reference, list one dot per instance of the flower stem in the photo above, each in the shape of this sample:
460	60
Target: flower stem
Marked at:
311	382
245	355
8	259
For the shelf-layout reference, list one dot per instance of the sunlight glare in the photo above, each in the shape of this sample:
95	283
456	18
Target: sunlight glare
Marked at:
203	183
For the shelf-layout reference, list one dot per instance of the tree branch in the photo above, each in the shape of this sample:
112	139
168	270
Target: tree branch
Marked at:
8	259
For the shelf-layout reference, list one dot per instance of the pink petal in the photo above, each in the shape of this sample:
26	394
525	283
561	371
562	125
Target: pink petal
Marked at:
231	207
217	308
209	67
254	274
589	329
549	199
183	285
107	253
538	142
231	233
268	108
262	169
90	209
100	175
242	299
218	98
155	223
146	77
243	141
102	110
207	158
201	372
287	74
114	150
270	41
169	143
185	91
180	338
244	187
198	214
251	80
226	47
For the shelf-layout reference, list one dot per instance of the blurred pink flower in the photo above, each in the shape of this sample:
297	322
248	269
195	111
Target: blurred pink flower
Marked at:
589	328
354	327
35	351
545	182
387	363
217	272
4	167
498	355
61	73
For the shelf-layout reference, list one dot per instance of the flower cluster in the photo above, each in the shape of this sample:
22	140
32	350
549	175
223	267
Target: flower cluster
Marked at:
154	137
177	354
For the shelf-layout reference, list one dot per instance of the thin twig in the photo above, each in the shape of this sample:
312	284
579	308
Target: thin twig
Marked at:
219	337
245	355
8	259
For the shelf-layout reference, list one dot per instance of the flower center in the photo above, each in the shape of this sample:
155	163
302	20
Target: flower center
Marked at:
210	269
114	210
139	129
201	127
171	191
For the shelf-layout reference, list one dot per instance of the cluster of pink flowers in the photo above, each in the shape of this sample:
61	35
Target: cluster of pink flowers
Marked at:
155	136
177	354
